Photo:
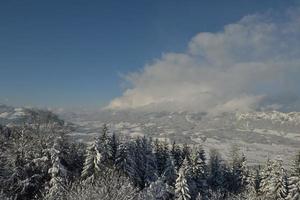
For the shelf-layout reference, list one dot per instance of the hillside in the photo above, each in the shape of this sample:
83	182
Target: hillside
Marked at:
259	134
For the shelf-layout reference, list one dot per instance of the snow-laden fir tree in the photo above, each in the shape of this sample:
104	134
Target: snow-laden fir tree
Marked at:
215	169
199	171
112	186
114	143
244	172
276	186
104	146
266	178
161	152
125	161
186	152
238	171
182	190
169	175
58	172
294	180
145	162
199	166
158	190
253	184
177	155
92	164
279	180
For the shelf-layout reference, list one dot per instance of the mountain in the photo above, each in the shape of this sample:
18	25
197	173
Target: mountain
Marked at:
16	116
259	134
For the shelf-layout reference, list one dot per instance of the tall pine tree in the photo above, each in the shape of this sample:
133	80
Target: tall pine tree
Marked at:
294	180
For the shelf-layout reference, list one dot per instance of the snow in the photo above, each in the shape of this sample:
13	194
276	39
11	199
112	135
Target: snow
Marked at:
259	133
4	115
274	116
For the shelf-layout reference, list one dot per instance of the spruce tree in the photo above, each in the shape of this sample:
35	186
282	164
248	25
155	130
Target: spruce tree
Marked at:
169	175
177	155
266	178
58	172
199	171
161	152
238	176
92	165
253	183
157	190
125	160
215	178
294	180
278	188
104	146
182	190
145	163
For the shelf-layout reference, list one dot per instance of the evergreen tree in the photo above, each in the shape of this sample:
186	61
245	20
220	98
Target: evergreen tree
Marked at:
125	161
182	190
157	190
58	172
274	181
199	171
145	163
244	172
177	155
279	186
114	143
104	146
161	152
253	183
186	152
215	179
169	174
238	171
294	180
266	178
92	164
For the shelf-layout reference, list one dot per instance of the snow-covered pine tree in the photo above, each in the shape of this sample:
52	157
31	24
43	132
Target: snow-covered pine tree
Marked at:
279	183
169	175
58	172
276	186
244	172
266	178
182	190
104	146
199	171
186	152
92	164
114	143
150	173
125	161
238	171
158	190
145	167
294	180
253	183
215	177
161	152
199	166
177	155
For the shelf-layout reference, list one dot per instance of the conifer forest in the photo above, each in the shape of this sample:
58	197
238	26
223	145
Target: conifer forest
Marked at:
42	162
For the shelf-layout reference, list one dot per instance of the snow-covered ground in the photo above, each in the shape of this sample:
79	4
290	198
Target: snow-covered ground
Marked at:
259	134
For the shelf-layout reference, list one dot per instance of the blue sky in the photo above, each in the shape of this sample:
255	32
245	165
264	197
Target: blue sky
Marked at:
63	53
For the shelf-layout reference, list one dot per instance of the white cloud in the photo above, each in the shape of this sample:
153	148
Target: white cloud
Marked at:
236	69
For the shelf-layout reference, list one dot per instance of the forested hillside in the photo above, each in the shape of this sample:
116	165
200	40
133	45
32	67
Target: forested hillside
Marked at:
41	162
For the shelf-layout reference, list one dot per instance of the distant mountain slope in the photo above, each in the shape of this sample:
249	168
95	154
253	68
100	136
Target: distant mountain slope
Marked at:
259	134
16	116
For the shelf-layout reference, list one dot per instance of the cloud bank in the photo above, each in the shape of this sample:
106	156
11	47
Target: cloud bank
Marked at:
250	64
